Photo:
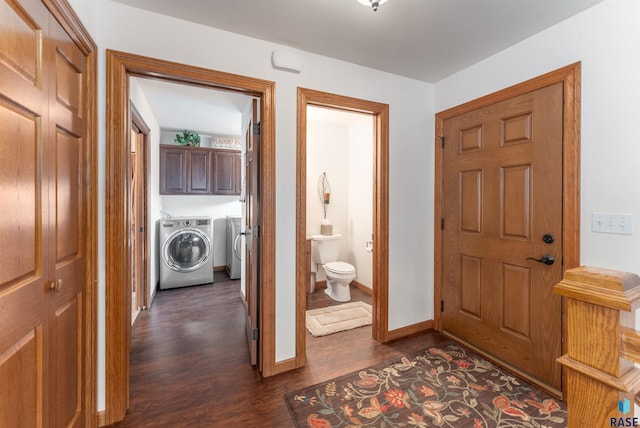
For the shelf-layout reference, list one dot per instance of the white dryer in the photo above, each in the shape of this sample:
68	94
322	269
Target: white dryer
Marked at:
186	251
234	246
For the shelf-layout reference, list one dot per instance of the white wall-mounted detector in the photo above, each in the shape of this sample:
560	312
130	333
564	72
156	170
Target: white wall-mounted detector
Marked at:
287	61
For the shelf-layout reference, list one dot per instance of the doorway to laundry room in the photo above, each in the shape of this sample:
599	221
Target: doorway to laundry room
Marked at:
342	207
181	178
194	200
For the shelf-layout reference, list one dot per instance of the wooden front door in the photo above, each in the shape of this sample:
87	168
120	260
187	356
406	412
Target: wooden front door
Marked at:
502	230
252	232
43	232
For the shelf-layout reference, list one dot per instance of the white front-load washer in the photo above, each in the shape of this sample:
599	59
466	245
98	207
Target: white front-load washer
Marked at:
186	251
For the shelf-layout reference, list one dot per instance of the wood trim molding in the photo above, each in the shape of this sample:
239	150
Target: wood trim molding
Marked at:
362	287
102	420
120	66
286	365
306	97
410	329
66	16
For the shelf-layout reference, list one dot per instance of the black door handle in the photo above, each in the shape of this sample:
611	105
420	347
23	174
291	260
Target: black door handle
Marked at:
546	259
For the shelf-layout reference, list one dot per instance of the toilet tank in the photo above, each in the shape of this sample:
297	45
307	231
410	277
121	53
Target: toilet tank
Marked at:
325	248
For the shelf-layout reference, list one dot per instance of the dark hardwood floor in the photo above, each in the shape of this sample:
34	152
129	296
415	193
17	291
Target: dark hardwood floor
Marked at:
190	364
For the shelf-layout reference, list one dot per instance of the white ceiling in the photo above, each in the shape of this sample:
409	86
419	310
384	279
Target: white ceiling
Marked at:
422	39
206	111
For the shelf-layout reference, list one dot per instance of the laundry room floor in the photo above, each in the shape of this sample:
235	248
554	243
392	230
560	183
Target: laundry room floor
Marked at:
190	362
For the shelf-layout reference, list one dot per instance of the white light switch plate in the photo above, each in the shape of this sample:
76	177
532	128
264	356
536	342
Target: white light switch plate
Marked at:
612	223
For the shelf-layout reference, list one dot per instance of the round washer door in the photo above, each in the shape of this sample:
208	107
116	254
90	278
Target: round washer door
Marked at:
186	250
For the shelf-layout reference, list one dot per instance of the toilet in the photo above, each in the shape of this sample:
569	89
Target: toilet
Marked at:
325	250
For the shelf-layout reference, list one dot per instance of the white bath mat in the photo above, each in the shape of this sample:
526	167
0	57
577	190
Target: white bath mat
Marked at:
332	319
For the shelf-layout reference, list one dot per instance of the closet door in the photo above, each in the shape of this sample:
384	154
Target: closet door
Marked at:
66	226
24	210
42	235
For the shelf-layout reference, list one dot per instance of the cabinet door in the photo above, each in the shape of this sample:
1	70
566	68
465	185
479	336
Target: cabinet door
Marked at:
226	170
237	162
173	170
199	171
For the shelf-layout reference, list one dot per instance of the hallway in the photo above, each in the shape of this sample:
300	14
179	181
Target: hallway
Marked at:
190	363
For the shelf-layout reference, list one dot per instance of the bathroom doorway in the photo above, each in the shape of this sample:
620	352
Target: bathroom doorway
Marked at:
343	145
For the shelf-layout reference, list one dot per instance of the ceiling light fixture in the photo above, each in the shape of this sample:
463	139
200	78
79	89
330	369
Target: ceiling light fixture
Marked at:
373	3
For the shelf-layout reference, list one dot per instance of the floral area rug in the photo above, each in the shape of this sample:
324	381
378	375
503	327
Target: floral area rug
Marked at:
447	386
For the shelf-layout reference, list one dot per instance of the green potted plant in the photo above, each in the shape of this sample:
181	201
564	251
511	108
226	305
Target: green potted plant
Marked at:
188	138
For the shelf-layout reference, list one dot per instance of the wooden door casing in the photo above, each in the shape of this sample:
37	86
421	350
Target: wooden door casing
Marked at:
120	67
46	257
380	273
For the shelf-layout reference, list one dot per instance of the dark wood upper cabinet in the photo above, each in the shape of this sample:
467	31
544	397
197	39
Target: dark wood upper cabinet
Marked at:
173	170
226	168
199	171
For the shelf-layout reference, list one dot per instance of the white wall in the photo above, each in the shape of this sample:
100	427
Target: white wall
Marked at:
605	39
411	119
361	148
327	153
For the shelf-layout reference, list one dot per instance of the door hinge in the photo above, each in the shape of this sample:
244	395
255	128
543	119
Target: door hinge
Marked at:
256	231
256	128
441	224
256	333
441	305
441	140
141	229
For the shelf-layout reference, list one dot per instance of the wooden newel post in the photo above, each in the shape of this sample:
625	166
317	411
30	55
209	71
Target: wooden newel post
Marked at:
600	338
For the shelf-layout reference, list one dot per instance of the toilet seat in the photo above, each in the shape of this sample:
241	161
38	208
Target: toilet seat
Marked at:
340	268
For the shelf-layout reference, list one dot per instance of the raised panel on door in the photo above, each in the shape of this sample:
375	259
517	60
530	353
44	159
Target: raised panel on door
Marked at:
199	171
502	192
21	376
67	227
21	32
67	374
